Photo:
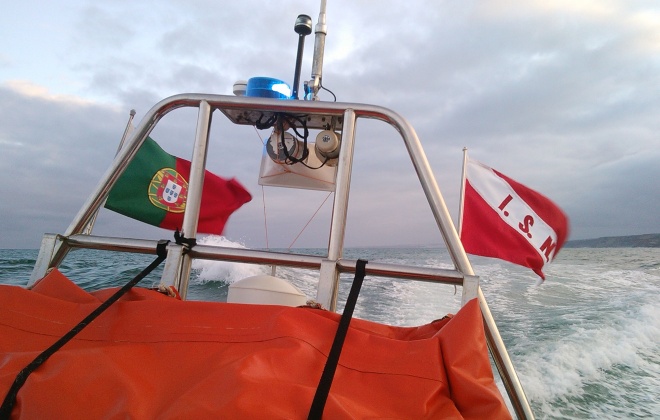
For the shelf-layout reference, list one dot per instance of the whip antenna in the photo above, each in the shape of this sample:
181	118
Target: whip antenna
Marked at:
303	27
321	29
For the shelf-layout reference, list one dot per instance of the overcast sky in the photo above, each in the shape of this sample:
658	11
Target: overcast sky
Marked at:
562	96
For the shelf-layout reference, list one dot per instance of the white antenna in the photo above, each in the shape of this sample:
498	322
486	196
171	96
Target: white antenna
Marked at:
320	30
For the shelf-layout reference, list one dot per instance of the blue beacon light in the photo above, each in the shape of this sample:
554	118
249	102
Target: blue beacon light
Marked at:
267	87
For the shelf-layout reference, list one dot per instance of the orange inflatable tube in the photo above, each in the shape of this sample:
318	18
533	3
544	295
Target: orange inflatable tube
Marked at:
152	356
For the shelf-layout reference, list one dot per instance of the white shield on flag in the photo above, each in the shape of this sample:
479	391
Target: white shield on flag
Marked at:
171	191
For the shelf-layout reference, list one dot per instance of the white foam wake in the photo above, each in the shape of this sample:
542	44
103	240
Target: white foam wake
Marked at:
222	271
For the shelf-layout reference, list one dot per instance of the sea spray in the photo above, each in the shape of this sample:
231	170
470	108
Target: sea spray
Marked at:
222	271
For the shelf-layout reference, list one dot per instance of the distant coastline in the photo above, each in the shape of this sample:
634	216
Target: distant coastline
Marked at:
649	240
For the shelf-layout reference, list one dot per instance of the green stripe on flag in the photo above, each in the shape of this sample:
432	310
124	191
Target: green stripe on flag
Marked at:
130	194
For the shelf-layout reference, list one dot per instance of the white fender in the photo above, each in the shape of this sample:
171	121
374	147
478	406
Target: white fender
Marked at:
265	289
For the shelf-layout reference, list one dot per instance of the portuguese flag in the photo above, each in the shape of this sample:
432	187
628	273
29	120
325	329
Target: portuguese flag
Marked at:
154	187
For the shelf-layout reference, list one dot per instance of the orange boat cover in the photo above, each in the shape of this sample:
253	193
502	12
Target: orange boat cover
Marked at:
151	356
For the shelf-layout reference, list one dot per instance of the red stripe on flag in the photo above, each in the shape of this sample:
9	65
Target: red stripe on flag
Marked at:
220	198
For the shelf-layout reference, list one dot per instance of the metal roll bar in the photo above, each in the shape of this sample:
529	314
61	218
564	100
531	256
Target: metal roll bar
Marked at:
247	111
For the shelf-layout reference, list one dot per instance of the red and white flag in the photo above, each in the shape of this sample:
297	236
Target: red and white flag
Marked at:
504	219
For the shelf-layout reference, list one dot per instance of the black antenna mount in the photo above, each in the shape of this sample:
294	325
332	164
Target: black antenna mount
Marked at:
303	27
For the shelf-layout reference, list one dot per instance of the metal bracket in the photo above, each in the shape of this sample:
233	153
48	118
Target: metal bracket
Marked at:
326	293
470	289
43	259
172	270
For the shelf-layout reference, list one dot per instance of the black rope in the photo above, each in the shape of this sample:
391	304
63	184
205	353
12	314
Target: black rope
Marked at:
321	396
10	398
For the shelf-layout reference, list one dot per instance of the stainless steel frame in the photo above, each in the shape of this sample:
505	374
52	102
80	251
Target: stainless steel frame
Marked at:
246	111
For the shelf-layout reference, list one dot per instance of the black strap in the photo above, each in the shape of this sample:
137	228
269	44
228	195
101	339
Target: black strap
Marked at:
10	398
321	396
182	240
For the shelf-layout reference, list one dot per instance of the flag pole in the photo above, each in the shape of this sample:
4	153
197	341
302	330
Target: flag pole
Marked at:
127	131
462	195
494	340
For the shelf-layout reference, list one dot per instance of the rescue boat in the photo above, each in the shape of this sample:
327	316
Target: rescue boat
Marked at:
270	351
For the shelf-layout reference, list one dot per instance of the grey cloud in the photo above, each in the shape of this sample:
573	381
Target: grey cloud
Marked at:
560	100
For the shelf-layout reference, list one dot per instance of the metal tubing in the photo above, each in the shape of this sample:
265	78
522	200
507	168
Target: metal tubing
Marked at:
405	272
434	196
195	185
503	363
239	108
109	243
342	187
249	256
116	169
197	168
320	31
329	276
455	247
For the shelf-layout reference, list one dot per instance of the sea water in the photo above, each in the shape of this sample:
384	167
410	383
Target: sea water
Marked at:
585	343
